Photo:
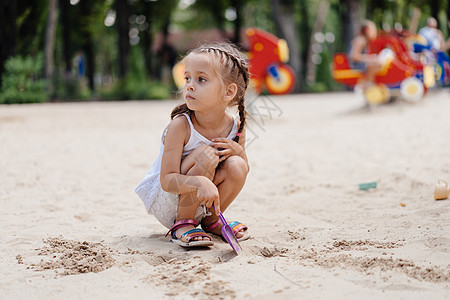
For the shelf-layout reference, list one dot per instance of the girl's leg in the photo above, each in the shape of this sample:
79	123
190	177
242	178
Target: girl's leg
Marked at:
202	161
229	179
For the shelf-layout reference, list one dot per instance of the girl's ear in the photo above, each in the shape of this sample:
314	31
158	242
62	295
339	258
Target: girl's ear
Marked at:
230	92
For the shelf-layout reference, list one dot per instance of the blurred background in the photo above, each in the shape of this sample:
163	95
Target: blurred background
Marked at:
78	50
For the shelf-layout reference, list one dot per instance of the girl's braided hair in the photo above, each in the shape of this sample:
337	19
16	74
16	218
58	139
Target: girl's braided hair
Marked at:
231	67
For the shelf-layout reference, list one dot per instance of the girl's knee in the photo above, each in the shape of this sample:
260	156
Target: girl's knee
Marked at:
236	168
202	161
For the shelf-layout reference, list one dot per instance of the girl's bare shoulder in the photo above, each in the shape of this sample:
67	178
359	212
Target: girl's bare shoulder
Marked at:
180	128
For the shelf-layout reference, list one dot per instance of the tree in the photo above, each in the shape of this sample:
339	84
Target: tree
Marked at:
321	15
8	12
350	19
305	33
217	10
50	32
147	9
283	11
66	34
237	4
435	7
123	27
87	10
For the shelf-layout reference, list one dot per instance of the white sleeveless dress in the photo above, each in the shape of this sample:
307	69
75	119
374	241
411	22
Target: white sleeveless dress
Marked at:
161	204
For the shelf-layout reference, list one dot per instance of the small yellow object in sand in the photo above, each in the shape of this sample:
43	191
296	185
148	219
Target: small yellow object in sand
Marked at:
402	204
441	190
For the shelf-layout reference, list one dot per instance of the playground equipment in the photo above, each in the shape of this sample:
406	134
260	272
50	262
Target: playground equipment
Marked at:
437	59
268	57
267	64
401	74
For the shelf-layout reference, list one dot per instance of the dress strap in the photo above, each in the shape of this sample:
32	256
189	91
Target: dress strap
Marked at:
189	120
234	129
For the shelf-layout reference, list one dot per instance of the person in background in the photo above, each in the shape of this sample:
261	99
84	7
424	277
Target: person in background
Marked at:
359	58
433	36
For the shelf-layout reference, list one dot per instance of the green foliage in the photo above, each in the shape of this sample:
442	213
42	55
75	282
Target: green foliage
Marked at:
70	88
318	87
132	87
21	82
85	21
136	85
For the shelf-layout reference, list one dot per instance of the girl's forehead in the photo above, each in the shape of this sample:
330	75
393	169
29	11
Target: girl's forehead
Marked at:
199	62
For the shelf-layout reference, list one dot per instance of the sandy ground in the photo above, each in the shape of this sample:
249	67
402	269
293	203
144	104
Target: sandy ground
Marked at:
71	226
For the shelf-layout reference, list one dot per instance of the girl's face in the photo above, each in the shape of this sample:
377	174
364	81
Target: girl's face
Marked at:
203	88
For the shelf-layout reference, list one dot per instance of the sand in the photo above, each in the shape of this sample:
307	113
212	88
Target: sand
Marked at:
71	226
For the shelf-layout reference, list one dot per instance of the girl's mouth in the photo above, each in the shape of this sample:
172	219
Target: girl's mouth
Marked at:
189	97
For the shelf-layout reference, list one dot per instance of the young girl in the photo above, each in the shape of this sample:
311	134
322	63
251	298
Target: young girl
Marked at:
202	165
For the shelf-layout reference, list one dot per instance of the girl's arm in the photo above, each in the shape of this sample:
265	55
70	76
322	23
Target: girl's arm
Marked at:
172	181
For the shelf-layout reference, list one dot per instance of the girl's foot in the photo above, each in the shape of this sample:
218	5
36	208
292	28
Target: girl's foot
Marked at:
239	229
179	232
185	234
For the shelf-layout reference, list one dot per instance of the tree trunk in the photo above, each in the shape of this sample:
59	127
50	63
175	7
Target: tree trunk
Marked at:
164	48
305	33
64	17
284	20
147	39
434	6
8	11
88	49
88	42
238	22
322	12
218	13
350	20
448	15
123	27
49	47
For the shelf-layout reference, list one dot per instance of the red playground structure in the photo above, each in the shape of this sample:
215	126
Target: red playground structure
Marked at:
401	74
268	57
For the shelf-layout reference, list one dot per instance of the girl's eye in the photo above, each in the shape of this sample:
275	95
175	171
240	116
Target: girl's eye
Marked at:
202	79
187	79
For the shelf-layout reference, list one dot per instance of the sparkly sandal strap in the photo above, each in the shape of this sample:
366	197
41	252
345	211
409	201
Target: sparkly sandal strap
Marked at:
182	223
196	232
237	226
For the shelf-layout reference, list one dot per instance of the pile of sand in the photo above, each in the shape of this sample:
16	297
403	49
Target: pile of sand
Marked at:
68	257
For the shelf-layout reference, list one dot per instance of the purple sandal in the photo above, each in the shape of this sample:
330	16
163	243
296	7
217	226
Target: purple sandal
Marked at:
185	239
235	226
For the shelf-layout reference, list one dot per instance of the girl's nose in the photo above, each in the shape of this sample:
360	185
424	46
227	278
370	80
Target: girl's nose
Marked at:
190	87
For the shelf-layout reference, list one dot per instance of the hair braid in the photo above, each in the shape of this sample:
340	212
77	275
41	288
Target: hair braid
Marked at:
242	115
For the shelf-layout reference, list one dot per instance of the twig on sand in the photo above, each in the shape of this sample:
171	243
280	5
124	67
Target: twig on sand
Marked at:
285	277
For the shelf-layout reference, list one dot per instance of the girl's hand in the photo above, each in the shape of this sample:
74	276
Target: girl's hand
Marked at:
207	192
227	148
